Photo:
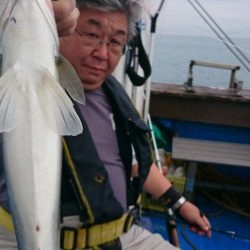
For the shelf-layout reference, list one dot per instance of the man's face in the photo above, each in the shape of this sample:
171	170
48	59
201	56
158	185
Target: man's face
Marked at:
95	48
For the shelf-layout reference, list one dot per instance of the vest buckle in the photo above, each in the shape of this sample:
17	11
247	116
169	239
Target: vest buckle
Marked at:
68	238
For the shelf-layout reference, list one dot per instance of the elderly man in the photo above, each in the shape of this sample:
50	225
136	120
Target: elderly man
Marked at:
98	189
99	192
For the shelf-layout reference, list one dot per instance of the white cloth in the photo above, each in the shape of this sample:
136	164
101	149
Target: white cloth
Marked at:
138	238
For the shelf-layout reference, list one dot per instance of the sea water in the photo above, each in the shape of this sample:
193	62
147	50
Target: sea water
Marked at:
173	53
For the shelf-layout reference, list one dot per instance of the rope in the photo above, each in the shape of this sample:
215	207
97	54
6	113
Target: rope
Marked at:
186	238
227	199
245	64
221	30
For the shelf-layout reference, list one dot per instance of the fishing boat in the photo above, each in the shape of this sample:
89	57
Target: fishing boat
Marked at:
204	129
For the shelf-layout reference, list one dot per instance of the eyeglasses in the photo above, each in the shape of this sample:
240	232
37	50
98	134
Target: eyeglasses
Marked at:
93	40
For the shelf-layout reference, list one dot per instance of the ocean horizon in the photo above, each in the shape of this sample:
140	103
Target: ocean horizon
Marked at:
173	53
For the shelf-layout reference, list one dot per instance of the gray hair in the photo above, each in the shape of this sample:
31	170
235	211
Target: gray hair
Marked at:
130	7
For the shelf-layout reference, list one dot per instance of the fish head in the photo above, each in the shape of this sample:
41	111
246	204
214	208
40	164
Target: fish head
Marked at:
6	7
20	13
28	25
5	10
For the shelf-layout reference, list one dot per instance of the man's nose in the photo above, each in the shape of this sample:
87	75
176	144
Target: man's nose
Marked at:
102	50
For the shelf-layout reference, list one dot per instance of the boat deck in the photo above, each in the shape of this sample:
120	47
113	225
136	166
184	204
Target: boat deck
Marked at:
201	120
203	104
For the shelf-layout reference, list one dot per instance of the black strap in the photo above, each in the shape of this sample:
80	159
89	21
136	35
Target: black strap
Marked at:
137	50
113	245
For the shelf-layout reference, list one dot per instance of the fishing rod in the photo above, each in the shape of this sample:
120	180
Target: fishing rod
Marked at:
172	228
229	233
151	53
170	219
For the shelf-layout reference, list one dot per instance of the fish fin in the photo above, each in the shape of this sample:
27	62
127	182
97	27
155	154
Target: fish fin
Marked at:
10	99
70	80
57	107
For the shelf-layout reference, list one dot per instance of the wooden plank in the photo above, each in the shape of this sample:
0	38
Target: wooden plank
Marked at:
207	105
211	151
202	92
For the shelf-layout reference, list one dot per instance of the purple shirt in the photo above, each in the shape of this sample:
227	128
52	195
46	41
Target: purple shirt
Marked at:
99	117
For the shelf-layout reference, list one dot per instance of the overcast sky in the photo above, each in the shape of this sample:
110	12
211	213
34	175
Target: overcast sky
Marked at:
179	17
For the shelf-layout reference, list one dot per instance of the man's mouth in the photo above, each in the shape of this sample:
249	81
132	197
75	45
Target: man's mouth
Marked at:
95	70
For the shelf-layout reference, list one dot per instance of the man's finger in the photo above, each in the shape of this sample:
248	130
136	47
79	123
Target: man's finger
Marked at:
63	8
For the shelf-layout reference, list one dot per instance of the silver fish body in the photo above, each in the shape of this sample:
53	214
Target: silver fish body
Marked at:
34	113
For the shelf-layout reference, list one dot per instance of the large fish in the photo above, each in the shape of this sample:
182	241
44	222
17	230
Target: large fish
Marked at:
34	112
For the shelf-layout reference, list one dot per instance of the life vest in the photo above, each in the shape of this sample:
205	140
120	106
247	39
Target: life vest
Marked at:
86	189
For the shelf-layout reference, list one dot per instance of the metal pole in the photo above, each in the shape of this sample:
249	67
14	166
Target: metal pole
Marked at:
157	157
151	55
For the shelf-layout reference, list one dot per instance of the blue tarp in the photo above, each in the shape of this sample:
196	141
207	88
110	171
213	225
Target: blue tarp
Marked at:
205	131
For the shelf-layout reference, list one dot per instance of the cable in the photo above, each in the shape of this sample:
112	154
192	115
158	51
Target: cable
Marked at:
227	199
221	30
236	210
206	33
186	238
220	37
224	199
184	224
217	230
